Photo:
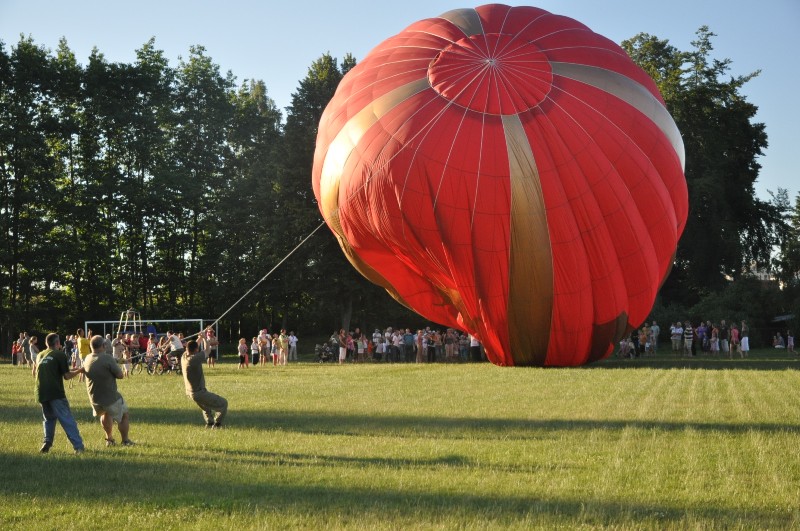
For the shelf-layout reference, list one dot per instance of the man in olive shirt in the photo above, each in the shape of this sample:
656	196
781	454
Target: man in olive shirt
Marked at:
102	373
52	369
214	406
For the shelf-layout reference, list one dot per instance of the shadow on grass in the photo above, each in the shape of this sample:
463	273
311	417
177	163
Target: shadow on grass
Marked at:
201	487
335	423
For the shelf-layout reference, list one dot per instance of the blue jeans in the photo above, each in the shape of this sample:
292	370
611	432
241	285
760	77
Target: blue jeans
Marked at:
58	409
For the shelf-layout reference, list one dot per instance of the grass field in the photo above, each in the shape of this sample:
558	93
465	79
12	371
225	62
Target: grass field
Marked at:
654	443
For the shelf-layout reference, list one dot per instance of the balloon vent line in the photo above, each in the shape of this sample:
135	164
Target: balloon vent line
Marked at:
290	253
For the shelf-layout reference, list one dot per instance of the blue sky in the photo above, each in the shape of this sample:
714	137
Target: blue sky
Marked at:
277	41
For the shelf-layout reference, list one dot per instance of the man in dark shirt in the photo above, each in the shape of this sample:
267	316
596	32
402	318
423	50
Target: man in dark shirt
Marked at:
51	371
723	337
214	406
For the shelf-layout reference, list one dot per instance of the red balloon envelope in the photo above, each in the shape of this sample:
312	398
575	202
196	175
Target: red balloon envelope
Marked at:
509	172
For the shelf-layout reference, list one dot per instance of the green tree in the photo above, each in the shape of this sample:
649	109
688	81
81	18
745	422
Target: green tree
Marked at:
788	260
28	130
192	175
334	293
242	228
325	272
729	228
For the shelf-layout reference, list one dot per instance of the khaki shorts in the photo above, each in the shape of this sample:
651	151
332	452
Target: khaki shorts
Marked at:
116	410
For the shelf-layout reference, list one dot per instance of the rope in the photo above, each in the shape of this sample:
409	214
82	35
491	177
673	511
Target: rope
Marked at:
218	319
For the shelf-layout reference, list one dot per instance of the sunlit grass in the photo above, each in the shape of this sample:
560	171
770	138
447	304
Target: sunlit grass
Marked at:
653	443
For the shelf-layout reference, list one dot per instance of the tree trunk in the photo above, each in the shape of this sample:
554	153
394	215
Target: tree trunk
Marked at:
347	312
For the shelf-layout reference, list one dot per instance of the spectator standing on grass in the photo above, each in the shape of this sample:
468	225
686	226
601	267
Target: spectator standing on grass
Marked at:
25	344
254	351
676	333
714	342
102	373
283	347
789	342
655	330
83	349
275	351
701	332
734	341
745	341
51	370
724	346
210	342
647	337
33	346
377	336
15	350
117	348
342	340
107	346
69	349
474	348
643	340
451	344
292	346
397	345
419	340
408	346
214	406
242	349
265	347
688	336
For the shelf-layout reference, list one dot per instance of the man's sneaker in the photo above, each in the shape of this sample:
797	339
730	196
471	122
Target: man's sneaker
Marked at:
45	448
217	426
209	426
78	451
128	442
111	442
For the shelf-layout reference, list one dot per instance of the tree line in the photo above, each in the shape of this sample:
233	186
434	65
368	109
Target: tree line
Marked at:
174	189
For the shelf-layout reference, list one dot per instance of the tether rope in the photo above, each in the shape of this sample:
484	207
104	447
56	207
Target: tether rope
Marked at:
261	280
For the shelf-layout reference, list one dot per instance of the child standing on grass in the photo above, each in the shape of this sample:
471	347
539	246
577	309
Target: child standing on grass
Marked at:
275	350
254	352
789	342
242	353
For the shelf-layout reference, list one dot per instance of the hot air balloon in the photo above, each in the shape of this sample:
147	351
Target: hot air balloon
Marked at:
508	172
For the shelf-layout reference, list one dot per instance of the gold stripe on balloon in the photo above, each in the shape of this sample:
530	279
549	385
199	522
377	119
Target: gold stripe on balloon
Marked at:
629	91
467	20
530	276
349	136
339	152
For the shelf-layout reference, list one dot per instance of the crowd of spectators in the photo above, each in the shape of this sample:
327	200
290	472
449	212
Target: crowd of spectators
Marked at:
426	345
703	338
402	345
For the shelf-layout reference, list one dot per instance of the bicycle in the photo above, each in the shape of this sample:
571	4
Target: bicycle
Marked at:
139	362
166	363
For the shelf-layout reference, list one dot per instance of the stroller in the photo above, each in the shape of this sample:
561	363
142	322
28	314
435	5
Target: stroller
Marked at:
323	352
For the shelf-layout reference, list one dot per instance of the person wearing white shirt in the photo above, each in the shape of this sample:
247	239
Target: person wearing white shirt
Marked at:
292	347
